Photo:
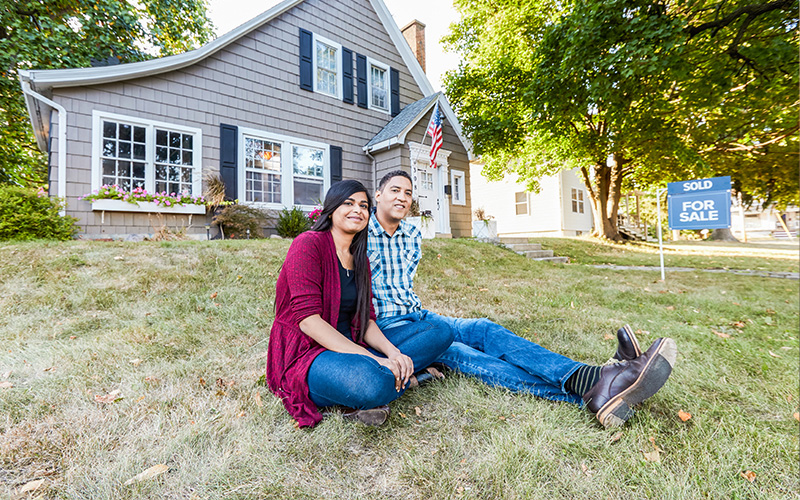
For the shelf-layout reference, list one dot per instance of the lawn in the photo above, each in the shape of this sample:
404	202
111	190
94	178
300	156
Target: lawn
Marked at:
118	357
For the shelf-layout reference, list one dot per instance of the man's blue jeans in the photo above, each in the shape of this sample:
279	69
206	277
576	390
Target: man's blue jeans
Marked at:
498	357
359	381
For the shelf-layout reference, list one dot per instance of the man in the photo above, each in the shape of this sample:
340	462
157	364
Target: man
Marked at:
490	352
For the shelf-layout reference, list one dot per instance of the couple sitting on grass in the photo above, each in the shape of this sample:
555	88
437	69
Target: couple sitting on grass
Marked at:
350	332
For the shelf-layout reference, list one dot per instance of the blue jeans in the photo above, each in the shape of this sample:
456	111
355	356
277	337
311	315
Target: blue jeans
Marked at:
498	357
359	381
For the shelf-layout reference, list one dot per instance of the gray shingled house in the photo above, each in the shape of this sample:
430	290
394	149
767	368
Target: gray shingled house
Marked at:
305	94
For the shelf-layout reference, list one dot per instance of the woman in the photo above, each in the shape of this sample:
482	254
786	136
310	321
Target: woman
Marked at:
325	348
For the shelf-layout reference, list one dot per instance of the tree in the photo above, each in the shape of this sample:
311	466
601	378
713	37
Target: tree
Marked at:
53	34
630	93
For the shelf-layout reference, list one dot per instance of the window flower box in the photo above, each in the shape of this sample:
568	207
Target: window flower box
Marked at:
146	206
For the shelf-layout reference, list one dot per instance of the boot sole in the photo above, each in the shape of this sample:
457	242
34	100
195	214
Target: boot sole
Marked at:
653	377
372	416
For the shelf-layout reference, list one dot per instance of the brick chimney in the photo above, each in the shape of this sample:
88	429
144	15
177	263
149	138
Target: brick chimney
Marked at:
414	32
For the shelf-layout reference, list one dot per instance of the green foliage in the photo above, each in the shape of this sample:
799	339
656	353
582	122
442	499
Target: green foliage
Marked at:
70	34
291	222
28	215
236	220
548	85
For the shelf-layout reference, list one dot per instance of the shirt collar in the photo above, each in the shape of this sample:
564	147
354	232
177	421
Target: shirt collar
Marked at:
376	229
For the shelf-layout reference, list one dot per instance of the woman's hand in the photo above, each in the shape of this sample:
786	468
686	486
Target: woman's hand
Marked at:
401	366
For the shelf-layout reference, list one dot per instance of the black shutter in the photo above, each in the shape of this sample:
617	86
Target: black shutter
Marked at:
336	164
306	60
347	75
361	70
228	137
394	82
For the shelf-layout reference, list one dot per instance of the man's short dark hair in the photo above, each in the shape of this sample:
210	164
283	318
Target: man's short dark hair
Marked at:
394	173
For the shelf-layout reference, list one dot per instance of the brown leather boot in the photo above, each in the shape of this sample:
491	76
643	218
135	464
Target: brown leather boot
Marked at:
627	345
371	416
628	383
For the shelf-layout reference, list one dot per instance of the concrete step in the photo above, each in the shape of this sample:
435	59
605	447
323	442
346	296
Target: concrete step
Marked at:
513	241
558	260
538	254
524	247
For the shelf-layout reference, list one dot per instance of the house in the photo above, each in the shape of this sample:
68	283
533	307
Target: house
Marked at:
561	208
305	94
759	221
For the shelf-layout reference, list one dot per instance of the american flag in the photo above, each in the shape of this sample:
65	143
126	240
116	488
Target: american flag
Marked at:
435	131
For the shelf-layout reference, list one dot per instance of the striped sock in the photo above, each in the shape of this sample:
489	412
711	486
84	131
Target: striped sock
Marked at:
583	379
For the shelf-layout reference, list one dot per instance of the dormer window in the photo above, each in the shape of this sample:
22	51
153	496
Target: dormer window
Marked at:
327	67
378	86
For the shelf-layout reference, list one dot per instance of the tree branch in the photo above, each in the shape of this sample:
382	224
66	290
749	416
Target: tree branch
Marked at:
753	10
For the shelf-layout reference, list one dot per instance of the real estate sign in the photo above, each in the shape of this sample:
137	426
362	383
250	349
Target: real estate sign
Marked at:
700	204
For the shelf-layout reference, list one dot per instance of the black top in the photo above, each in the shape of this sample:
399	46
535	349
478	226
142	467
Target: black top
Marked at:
347	306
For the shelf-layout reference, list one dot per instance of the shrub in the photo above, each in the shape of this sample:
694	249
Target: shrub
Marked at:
26	214
235	220
291	222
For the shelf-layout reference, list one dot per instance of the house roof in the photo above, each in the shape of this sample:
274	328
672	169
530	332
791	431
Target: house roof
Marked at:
395	131
42	81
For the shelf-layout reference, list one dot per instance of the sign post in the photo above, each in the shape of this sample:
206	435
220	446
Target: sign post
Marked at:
660	241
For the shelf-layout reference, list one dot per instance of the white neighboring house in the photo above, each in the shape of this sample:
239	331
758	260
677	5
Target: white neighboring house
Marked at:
761	222
561	208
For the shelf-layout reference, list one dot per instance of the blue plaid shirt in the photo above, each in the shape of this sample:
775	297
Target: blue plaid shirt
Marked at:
394	261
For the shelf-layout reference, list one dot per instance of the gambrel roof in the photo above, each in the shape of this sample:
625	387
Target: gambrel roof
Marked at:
43	81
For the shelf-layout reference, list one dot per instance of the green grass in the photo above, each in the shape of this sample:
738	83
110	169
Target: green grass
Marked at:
81	319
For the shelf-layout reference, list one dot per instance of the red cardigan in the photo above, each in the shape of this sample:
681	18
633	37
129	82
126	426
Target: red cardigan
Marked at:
308	284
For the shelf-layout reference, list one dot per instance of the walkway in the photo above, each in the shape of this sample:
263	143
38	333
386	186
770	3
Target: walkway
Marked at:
742	272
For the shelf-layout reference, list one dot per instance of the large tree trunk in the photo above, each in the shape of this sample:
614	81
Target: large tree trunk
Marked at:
723	234
604	194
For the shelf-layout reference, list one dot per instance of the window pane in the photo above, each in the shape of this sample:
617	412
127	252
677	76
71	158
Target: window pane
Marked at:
522	209
161	154
161	137
138	134
124	132
138	170
109	168
307	161
174	140
161	172
109	129
175	156
187	141
138	151
124	150
109	148
520	197
124	169
307	192
161	187
378	82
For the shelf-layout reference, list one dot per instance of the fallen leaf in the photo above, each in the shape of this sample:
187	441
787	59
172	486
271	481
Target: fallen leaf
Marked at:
653	456
72	337
49	369
239	277
108	398
749	475
608	336
152	379
403	415
6	385
571	304
616	437
501	417
483	289
653	442
242	413
202	381
670	308
136	362
438	256
770	311
797	416
140	398
642	332
773	354
720	334
417	410
736	304
684	415
585	469
738	324
148	474
214	295
258	400
118	257
31	486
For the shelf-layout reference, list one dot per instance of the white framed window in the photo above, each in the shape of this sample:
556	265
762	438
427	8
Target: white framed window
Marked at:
327	67
378	85
426	180
521	203
577	200
278	171
139	153
458	186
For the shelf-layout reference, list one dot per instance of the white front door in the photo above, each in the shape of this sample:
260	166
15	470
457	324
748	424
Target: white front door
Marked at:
427	190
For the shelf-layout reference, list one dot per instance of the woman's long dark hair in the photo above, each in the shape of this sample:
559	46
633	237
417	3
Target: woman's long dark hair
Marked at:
336	195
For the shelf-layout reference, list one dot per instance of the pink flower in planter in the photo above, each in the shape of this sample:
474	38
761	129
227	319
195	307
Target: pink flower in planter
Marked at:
167	203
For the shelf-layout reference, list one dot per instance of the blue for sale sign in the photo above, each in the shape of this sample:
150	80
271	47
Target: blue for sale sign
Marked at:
700	204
